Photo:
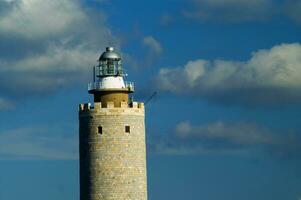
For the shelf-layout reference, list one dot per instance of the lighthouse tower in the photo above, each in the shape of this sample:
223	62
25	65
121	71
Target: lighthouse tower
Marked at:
112	137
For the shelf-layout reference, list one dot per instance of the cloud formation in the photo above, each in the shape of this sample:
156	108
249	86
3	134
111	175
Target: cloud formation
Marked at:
269	77
152	50
36	18
153	44
166	19
230	10
5	104
292	9
226	138
238	11
37	143
57	67
48	44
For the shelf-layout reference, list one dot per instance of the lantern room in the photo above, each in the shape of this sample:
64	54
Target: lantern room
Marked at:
109	64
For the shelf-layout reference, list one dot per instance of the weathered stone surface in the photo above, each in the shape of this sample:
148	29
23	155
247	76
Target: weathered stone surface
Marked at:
112	164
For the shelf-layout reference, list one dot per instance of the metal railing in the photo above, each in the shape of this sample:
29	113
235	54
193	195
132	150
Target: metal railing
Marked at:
129	85
98	86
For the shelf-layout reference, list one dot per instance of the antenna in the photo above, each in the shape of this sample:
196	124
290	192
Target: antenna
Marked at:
94	74
151	97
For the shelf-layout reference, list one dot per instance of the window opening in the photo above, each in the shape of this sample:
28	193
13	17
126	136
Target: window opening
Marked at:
127	129
99	130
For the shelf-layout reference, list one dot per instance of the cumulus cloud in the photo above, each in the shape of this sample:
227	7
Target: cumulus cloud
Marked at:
269	77
37	143
36	18
230	10
42	73
48	44
226	138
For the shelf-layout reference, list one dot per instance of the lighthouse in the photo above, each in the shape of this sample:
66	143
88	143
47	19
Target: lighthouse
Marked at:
112	136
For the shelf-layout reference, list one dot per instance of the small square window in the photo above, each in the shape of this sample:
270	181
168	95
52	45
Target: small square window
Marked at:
127	129
99	130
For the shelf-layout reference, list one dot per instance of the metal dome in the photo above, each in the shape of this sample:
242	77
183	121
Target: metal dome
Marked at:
109	54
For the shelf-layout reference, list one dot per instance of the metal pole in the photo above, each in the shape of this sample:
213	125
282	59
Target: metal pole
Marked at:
94	74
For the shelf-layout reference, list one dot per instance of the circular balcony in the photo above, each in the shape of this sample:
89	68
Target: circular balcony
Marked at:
99	86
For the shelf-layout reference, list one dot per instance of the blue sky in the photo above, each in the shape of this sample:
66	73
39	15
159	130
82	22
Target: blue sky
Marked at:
225	123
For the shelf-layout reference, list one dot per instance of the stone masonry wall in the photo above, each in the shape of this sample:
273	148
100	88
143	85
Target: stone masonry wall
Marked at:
112	164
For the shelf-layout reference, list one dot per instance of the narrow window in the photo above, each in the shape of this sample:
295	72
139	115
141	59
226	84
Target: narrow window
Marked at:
127	129
99	130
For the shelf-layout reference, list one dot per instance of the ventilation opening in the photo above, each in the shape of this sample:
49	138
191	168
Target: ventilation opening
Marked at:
127	129
99	130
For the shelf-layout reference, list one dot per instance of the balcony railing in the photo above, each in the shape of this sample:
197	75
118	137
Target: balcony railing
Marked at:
99	86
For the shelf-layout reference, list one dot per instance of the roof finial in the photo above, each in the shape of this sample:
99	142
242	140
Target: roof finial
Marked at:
110	48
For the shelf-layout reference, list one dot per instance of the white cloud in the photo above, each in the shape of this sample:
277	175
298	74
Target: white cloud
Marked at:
226	138
152	50
37	143
37	18
59	66
58	42
238	134
153	44
270	76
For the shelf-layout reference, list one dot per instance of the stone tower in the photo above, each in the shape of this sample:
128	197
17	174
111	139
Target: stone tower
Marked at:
112	137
